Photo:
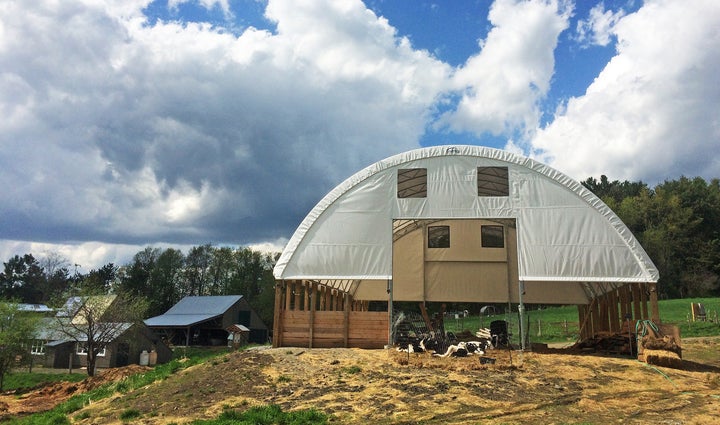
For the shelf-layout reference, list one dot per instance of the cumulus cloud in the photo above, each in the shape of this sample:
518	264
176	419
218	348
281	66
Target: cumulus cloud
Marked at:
120	130
598	28
125	132
502	85
208	4
652	113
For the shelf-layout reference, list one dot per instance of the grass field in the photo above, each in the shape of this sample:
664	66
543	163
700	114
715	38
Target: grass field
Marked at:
24	380
561	324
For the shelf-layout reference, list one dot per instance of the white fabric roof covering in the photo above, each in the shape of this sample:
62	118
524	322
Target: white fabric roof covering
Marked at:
564	232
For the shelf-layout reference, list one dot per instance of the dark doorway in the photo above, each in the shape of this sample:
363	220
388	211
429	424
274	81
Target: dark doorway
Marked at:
123	354
244	318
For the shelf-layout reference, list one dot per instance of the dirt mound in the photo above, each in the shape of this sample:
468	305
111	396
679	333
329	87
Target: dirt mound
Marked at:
48	396
388	387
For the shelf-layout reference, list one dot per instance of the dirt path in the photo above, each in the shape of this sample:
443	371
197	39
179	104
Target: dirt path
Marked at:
385	386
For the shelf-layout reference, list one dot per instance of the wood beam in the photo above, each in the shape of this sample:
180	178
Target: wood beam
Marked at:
277	316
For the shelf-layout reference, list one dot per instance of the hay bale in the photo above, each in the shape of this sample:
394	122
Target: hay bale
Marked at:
662	358
665	343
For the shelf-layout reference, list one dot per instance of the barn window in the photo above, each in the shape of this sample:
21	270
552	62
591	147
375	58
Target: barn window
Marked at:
38	347
492	181
412	183
82	350
492	237
438	236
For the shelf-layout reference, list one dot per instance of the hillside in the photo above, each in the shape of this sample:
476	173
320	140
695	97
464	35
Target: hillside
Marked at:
379	386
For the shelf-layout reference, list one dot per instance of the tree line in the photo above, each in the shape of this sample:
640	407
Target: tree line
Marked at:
161	277
678	224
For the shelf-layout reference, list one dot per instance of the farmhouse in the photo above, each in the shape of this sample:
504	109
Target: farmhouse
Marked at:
125	342
456	224
208	320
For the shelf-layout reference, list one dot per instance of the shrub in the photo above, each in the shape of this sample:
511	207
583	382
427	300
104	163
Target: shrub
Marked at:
129	414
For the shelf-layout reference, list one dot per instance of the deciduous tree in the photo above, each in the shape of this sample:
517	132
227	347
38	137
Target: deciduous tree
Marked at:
16	330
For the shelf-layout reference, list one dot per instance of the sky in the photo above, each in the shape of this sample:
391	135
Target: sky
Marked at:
134	123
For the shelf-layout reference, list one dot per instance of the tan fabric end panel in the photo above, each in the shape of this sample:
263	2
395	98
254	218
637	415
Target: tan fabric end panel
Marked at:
512	263
376	290
466	282
408	267
465	243
371	290
554	293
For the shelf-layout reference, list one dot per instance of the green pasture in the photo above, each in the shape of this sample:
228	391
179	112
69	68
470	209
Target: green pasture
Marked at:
23	380
561	324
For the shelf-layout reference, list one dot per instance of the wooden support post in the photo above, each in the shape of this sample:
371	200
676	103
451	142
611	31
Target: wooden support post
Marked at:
582	315
637	313
288	294
624	302
277	316
346	319
311	330
306	292
425	316
297	289
644	298
654	308
328	298
604	319
585	313
321	296
595	316
615	320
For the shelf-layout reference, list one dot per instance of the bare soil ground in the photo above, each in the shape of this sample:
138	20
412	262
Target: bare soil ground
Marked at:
389	387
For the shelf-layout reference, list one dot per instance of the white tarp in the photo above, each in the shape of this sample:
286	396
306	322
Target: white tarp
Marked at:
564	232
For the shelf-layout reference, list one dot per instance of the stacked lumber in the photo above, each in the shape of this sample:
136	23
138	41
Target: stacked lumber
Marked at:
608	343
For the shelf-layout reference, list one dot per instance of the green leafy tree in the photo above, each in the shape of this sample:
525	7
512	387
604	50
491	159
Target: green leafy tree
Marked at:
700	271
613	192
101	279
135	276
677	224
16	330
22	279
250	266
197	269
165	281
57	279
221	271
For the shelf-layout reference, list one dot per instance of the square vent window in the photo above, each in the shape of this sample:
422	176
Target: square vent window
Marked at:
412	183
492	237
492	181
438	236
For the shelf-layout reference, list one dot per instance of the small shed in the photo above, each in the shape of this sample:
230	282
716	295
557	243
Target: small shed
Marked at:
204	320
238	335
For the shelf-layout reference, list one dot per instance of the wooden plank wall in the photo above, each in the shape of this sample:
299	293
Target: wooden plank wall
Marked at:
607	312
314	316
366	329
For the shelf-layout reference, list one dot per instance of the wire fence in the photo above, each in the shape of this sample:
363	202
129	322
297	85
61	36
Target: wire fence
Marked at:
536	329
